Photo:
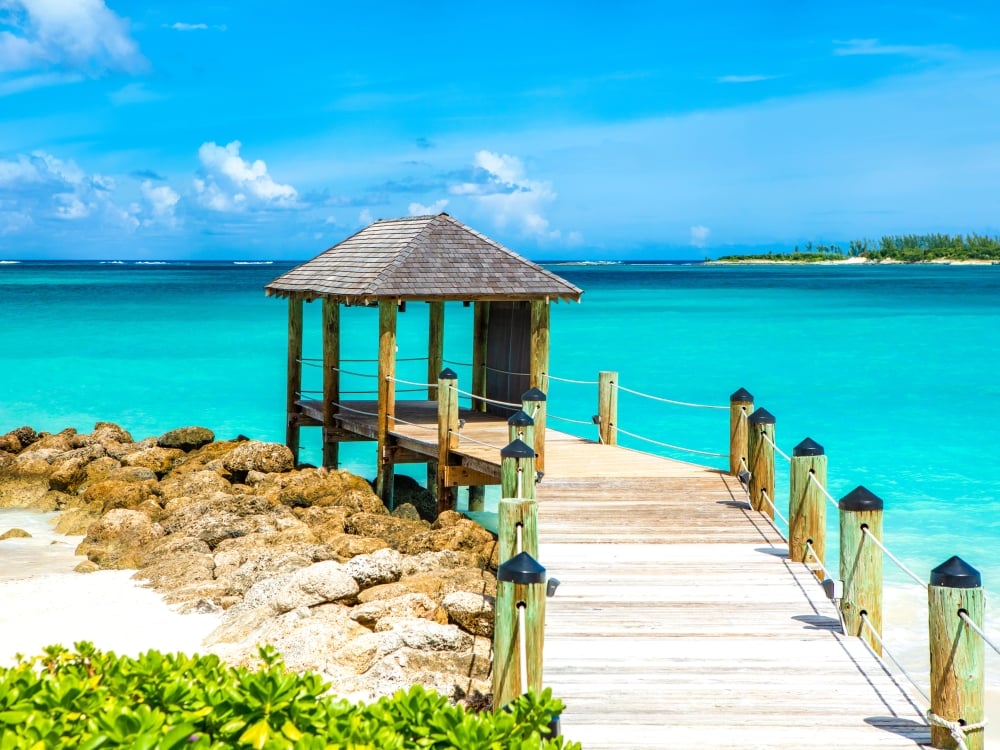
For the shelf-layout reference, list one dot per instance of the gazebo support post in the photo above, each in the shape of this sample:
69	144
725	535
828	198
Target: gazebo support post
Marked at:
539	370
435	363
294	382
386	398
331	379
480	332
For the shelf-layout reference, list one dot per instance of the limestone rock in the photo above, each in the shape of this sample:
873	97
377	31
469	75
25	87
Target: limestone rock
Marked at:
220	516
406	511
10	444
382	566
360	654
407	491
320	487
254	455
76	521
120	539
396	531
110	432
158	460
110	494
463	535
15	534
60	442
69	469
87	567
425	635
471	612
192	484
176	560
407	606
348	546
186	438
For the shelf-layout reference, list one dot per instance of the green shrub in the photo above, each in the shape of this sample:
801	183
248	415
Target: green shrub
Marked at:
91	699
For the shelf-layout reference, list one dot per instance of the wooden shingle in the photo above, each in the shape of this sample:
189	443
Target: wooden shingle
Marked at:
421	258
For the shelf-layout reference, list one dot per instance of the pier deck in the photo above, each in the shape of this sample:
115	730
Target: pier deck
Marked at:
679	621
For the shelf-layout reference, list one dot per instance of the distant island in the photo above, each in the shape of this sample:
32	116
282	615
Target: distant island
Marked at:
907	248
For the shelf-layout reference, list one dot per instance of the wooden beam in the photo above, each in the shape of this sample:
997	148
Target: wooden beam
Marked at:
294	380
402	455
386	397
435	347
331	379
462	476
539	371
480	331
447	435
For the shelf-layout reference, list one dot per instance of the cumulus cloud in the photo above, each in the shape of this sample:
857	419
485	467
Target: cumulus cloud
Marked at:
505	191
419	209
699	235
162	200
848	47
83	35
231	183
744	79
181	26
365	217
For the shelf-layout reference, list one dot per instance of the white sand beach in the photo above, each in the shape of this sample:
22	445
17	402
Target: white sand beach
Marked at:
43	602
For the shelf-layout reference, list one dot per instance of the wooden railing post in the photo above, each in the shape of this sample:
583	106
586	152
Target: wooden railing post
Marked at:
861	563
533	404
607	407
807	504
447	434
740	408
760	428
520	581
386	477
294	376
957	689
521	427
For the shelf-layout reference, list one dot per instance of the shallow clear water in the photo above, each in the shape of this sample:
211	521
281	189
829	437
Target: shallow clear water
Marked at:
893	369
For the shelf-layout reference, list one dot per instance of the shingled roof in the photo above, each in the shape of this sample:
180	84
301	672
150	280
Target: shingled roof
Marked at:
421	258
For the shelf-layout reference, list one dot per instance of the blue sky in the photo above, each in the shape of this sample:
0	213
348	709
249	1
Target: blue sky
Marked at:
626	130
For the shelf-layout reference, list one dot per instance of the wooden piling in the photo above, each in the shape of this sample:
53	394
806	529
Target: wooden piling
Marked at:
517	471
533	404
294	379
740	407
435	346
956	650
331	379
861	563
539	371
607	407
807	504
521	427
386	398
760	429
447	435
480	336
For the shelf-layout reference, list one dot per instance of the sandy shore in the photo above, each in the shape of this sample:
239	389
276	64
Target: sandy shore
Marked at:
43	602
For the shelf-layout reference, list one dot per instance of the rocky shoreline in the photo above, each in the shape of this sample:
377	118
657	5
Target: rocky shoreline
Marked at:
308	560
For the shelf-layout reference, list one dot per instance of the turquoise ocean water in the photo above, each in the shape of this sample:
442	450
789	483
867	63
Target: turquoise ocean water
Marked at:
894	369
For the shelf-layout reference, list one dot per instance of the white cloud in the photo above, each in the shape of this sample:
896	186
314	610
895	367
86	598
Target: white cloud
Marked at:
181	26
847	47
699	235
365	217
41	80
162	201
133	93
233	184
509	195
744	79
82	35
419	209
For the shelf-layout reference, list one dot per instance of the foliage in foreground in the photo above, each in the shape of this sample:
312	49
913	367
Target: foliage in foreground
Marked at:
91	699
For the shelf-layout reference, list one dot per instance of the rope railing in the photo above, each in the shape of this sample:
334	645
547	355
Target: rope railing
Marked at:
568	380
922	584
588	422
824	490
353	372
669	445
668	400
776	512
475	397
460	436
976	629
811	551
410	382
457	364
873	631
398	359
767	439
311	362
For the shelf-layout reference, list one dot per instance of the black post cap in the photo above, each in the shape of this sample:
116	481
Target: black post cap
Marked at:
761	416
517	449
956	573
742	395
521	568
448	374
520	419
533	394
860	499
808	447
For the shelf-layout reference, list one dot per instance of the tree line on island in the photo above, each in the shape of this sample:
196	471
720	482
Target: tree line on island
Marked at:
906	248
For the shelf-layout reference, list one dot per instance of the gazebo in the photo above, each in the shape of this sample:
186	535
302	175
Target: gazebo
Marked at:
432	259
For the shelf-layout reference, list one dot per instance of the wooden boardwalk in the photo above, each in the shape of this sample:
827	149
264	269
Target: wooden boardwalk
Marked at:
680	623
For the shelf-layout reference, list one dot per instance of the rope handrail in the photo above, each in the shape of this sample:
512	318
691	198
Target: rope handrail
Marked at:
355	411
376	415
814	480
871	629
775	510
547	376
506	372
398	359
667	400
922	584
668	445
311	362
968	621
473	396
811	551
457	364
780	452
415	424
460	436
589	422
357	393
303	360
410	382
352	372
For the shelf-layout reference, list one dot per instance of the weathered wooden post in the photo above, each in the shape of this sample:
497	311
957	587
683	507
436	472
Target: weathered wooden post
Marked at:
331	379
480	337
861	563
447	434
385	479
520	604
521	427
294	372
740	408
533	404
807	504
607	407
760	428
957	690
